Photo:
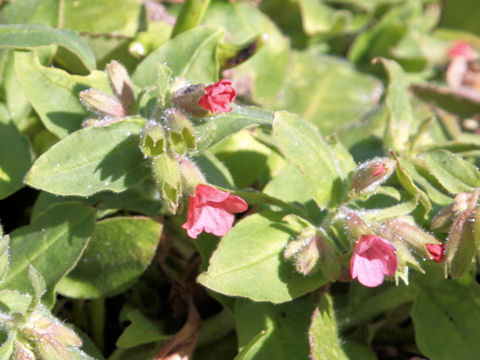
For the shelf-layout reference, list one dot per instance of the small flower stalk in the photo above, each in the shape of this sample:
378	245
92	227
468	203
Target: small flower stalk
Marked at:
212	210
371	174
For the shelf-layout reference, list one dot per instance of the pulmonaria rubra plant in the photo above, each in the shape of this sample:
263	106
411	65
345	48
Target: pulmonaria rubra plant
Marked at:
218	97
373	258
212	210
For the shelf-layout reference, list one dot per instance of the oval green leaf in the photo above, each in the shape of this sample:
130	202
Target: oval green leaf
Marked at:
117	255
302	143
52	244
249	262
92	160
190	55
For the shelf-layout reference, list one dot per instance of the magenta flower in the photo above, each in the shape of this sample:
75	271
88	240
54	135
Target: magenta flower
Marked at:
460	49
437	252
218	97
372	259
211	210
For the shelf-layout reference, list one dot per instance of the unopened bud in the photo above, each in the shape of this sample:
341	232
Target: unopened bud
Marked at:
167	174
181	133
153	141
187	98
355	226
190	174
49	337
445	218
307	260
102	103
410	234
372	173
436	251
23	352
460	244
120	82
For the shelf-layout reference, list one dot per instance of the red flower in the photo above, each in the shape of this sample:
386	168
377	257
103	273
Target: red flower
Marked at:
211	210
460	49
437	251
218	97
372	259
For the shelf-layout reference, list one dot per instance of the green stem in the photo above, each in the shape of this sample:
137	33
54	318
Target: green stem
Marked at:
96	311
386	300
191	15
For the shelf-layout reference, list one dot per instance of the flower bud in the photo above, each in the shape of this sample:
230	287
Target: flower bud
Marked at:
355	226
460	244
187	98
167	174
50	338
437	252
411	234
120	82
445	218
372	173
190	175
102	103
23	352
180	131
218	97
307	260
153	141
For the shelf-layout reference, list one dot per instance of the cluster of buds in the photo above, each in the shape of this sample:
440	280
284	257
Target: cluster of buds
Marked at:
110	108
168	139
386	248
462	72
459	221
42	336
312	250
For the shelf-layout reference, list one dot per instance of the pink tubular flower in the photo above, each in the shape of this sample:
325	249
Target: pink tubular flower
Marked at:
218	97
460	49
212	210
437	252
372	259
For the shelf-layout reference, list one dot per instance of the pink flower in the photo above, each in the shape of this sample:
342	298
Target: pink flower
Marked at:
437	251
372	259
218	97
460	49
211	210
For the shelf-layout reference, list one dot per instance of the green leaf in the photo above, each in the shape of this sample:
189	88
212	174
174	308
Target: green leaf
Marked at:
248	262
15	157
31	11
323	334
285	329
249	350
407	182
92	160
398	104
315	85
52	244
54	93
26	36
103	16
452	172
118	253
400	209
217	128
141	330
190	55
4	256
37	281
446	328
303	144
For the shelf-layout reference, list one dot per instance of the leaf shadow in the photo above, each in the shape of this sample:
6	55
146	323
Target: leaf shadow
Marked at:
125	161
